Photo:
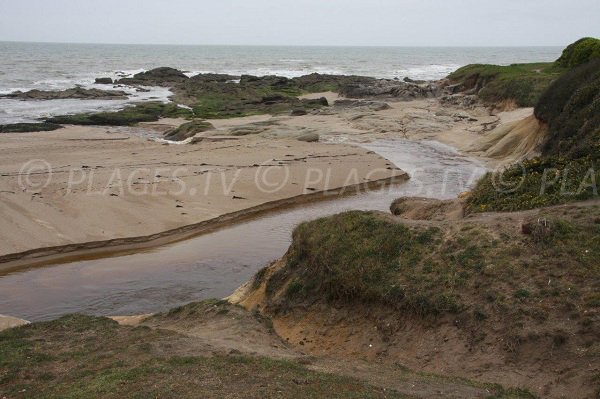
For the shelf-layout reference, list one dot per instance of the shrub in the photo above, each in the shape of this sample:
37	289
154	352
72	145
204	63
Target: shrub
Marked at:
580	52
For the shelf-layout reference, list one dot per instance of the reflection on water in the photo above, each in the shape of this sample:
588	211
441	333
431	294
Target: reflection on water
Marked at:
215	264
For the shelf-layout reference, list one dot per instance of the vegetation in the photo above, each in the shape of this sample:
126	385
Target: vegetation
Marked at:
147	112
81	357
580	52
522	83
29	127
355	256
361	257
568	168
188	130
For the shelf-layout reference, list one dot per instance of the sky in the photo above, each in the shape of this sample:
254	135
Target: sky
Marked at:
302	22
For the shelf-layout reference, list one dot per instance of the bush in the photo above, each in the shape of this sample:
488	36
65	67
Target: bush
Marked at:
580	52
571	108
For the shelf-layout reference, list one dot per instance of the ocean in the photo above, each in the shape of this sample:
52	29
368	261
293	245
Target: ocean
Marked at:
56	66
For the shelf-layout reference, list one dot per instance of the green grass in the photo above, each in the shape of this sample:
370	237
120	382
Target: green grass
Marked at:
29	127
580	52
355	256
82	357
148	112
523	83
534	183
468	269
568	168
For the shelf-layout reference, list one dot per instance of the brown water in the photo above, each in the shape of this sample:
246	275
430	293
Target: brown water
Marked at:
215	264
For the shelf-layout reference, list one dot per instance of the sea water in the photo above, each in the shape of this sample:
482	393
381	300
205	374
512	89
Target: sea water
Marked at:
58	66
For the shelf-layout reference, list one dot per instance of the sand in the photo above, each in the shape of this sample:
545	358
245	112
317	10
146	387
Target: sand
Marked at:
104	186
108	185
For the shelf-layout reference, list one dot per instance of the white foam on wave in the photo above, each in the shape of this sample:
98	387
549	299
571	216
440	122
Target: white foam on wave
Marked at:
428	72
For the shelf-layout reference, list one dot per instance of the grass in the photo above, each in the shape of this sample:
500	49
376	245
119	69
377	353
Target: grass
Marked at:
147	112
580	52
467	269
357	257
29	127
80	357
534	183
568	169
522	83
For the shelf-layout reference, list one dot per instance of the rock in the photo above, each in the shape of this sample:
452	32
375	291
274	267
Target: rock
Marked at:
75	93
163	76
188	130
298	112
7	322
308	137
361	104
104	81
214	77
315	102
390	88
29	127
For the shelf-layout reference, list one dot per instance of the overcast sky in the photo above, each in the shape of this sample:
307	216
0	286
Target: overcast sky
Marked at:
302	22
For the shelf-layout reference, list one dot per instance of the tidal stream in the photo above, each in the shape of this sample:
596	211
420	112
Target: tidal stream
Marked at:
213	265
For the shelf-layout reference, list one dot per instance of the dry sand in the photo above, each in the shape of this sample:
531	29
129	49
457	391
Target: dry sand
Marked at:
108	185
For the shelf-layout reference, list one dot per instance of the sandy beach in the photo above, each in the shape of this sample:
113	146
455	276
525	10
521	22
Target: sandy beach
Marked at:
92	184
108	185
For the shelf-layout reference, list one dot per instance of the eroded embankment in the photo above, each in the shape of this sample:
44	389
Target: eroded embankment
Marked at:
511	297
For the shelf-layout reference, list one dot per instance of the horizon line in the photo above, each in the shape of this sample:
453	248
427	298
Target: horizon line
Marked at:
283	45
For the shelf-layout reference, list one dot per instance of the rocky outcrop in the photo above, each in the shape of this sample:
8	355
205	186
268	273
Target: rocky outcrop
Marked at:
75	93
390	88
188	130
163	76
104	81
29	127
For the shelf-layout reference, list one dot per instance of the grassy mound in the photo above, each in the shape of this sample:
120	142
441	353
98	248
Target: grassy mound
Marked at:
148	112
468	268
84	357
355	256
522	83
580	52
568	168
29	127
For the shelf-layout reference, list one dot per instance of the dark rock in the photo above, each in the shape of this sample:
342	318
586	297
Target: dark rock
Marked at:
104	81
29	127
188	130
308	137
298	112
163	76
75	93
